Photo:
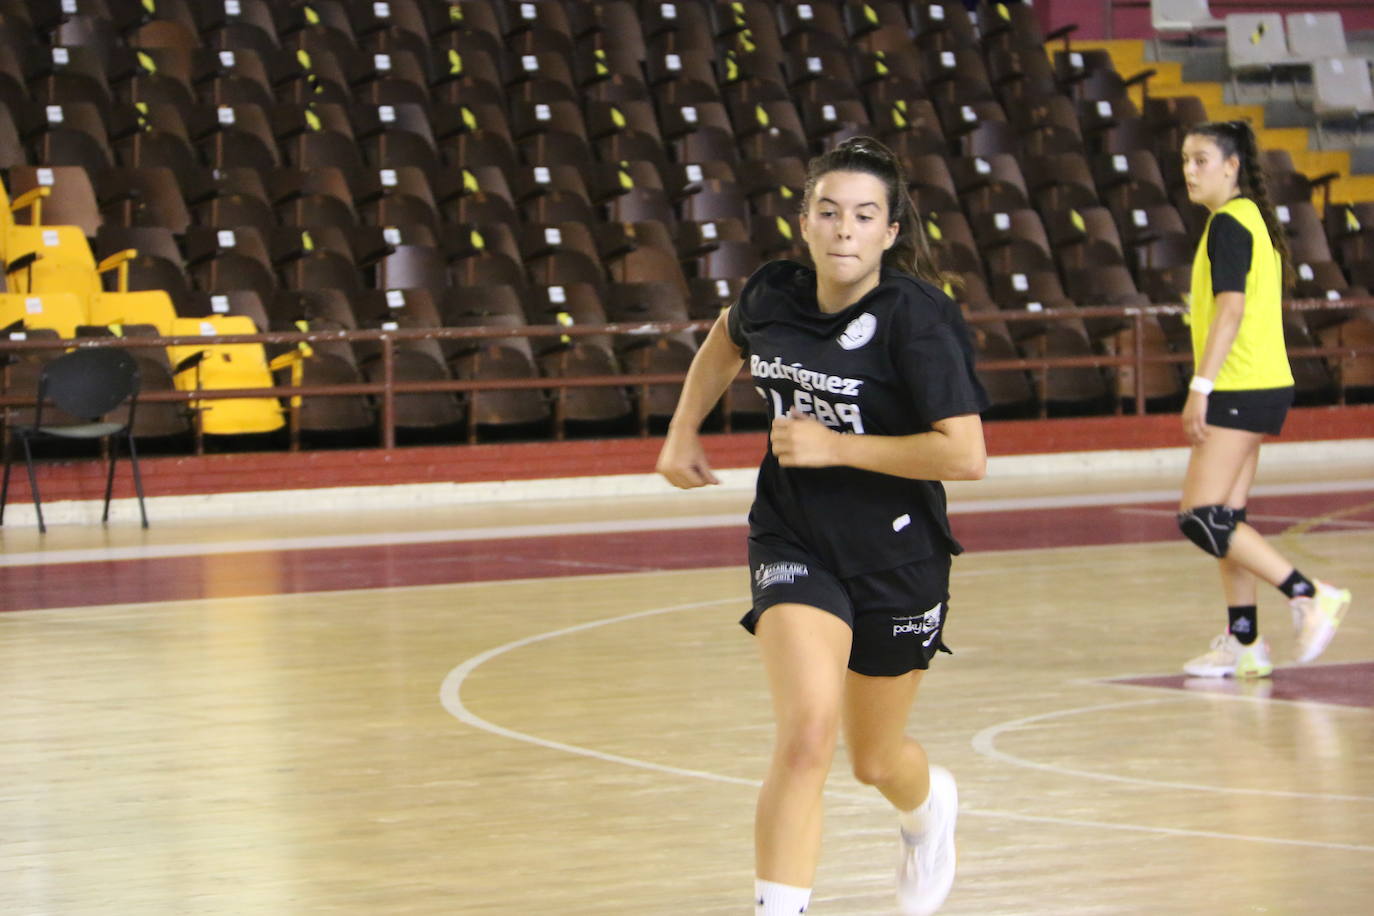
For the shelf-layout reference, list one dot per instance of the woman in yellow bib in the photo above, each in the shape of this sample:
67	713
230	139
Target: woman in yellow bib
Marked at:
1241	390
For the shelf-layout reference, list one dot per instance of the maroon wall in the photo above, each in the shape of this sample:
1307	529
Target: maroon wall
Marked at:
1131	18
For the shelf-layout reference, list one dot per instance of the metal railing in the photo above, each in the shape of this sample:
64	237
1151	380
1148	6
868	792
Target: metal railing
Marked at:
385	388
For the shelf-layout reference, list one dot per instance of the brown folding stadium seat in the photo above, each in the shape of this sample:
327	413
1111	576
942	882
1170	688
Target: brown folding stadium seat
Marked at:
235	135
1312	375
821	75
475	194
248	26
698	132
222	260
230	198
640	252
1354	374
496	359
1162	383
71	196
941	25
1021	76
484	253
951	239
326	26
1060	181
625	130
629	192
394	196
418	360
243	303
71	134
154	136
540	76
166	76
561	254
1068	391
990	183
830	123
552	193
675	27
1048	126
318	196
387	26
1103	286
318	257
551	133
158	264
58	75
136	196
611	24
1306	237
476	134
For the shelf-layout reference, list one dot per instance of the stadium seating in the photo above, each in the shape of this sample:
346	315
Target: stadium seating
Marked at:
282	165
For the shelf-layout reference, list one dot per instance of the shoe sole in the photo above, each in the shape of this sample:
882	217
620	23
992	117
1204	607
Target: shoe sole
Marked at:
1326	632
1239	674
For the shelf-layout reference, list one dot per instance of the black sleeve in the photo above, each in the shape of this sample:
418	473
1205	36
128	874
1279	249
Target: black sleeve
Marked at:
938	370
745	311
1228	248
734	323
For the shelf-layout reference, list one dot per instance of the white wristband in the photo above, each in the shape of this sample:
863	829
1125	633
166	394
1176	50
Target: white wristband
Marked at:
1201	385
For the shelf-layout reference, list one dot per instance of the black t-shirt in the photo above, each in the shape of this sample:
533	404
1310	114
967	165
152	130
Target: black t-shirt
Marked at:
1228	248
892	364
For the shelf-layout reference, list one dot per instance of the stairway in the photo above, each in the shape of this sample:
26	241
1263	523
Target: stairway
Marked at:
1129	57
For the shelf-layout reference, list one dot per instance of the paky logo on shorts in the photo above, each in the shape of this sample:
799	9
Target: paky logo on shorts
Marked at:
921	624
772	573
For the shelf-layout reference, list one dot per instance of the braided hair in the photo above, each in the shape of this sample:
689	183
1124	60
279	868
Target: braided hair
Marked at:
1236	138
910	252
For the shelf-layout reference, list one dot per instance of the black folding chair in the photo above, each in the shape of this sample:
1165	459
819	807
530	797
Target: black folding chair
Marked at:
87	385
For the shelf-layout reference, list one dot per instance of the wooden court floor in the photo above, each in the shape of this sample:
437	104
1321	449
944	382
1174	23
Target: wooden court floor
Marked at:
589	740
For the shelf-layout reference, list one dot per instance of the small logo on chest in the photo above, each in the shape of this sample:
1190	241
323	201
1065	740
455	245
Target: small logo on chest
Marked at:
859	331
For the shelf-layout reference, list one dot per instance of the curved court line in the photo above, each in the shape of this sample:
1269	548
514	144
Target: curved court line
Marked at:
450	697
985	743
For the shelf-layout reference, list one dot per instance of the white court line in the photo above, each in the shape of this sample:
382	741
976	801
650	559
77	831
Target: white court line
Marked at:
985	743
379	539
450	697
610	526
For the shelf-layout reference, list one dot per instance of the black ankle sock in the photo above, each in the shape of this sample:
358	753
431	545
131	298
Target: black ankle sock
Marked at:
1244	623
1297	585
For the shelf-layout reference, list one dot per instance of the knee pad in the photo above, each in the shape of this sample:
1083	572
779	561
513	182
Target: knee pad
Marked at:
1209	527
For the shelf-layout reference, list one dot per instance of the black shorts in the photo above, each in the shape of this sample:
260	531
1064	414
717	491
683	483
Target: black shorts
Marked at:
1257	410
897	615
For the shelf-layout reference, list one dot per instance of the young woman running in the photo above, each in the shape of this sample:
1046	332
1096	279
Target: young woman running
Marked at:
1242	388
867	369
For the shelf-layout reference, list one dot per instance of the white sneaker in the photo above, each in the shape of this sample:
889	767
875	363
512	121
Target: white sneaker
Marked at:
926	872
1228	658
1316	617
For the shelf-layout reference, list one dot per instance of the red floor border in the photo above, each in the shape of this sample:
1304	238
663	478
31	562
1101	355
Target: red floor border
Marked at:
267	471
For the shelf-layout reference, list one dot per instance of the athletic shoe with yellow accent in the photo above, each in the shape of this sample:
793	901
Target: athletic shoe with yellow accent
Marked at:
926	871
1228	658
1316	617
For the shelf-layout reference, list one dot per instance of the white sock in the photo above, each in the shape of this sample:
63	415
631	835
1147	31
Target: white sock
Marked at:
916	821
773	899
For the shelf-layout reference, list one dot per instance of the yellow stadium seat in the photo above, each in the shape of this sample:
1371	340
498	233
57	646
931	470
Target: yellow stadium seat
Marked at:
31	200
153	306
224	366
60	312
61	260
